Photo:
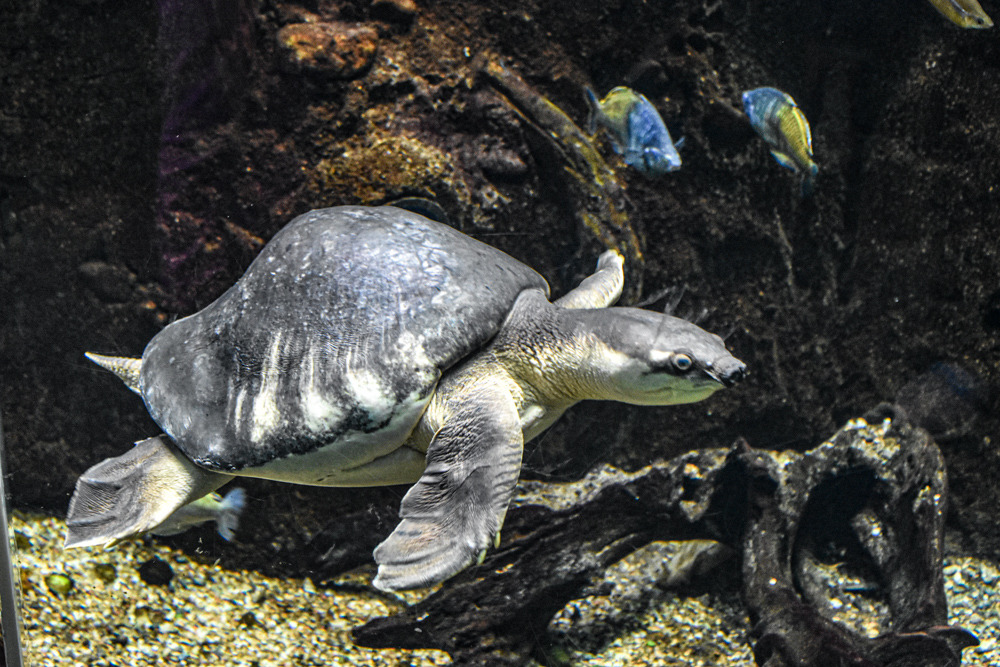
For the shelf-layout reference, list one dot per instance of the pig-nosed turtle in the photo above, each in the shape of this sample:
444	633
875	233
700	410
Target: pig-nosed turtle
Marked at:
371	346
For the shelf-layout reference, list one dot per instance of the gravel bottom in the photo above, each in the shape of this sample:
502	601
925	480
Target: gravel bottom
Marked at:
206	615
692	631
712	628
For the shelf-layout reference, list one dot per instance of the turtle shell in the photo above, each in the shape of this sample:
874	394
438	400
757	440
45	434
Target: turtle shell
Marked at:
340	328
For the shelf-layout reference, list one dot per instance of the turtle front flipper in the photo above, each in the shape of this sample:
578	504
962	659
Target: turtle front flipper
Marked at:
601	289
455	511
132	493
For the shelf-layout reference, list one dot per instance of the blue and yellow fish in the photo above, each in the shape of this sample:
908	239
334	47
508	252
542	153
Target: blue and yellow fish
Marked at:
963	13
776	118
637	130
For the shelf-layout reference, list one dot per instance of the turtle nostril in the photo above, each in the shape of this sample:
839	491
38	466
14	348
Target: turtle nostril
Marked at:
731	377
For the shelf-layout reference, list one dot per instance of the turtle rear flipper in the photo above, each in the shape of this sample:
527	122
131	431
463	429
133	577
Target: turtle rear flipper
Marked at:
132	493
454	513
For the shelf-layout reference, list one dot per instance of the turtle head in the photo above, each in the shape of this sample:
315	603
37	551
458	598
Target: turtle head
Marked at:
648	358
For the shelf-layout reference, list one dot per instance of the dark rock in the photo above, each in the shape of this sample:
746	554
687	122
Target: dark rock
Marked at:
106	572
248	620
21	541
156	572
991	311
395	10
338	50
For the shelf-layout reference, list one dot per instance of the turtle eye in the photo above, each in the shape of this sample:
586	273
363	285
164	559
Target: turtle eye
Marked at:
682	362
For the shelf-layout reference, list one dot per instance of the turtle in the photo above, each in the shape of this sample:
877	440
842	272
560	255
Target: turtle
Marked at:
371	346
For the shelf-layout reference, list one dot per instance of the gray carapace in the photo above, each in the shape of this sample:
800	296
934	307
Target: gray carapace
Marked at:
372	346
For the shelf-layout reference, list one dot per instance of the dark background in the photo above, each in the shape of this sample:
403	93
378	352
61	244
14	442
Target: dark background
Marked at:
141	169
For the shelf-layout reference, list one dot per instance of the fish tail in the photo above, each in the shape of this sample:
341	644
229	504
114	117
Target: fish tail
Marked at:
229	513
809	181
595	110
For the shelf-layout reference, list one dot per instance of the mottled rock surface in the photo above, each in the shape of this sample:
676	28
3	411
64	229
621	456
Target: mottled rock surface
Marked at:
338	50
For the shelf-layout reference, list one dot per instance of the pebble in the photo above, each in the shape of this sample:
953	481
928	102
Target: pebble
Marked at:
338	50
156	572
105	572
59	584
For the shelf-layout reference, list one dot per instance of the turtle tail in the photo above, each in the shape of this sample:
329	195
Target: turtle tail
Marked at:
133	493
126	368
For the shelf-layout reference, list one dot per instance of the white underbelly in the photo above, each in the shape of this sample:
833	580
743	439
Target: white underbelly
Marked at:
356	458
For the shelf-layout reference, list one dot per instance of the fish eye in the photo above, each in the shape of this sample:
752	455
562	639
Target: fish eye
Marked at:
682	362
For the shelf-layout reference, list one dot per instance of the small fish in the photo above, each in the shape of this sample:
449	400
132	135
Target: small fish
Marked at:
225	512
963	13
776	118
948	400
638	131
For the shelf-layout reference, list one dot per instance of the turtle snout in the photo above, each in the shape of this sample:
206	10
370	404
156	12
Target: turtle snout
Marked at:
731	373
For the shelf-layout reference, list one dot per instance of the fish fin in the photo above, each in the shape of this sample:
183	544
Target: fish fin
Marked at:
785	161
635	158
807	188
652	161
799	121
661	162
809	181
229	513
679	143
594	105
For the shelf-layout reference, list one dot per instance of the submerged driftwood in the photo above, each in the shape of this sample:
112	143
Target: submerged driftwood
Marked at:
878	487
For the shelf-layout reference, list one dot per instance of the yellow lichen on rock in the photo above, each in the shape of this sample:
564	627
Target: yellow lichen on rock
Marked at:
382	168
